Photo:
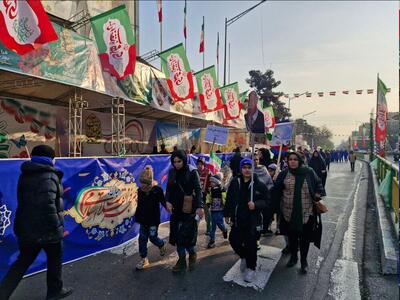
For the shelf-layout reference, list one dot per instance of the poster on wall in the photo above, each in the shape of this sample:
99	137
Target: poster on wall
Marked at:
23	125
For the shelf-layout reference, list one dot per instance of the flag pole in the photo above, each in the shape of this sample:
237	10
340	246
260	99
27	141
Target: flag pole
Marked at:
377	146
252	167
204	44
185	29
218	56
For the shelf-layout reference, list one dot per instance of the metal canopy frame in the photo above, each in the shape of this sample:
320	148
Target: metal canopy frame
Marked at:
118	126
75	113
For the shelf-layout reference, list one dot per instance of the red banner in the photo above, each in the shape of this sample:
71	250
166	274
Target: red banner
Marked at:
24	25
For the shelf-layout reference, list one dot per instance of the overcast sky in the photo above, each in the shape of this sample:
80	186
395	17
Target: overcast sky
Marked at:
315	46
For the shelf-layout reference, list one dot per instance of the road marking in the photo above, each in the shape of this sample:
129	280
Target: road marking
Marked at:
267	260
345	279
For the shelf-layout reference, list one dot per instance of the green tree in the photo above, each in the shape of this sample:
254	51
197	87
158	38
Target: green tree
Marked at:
264	83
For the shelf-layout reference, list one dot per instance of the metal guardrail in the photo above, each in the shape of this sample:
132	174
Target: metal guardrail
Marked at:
385	166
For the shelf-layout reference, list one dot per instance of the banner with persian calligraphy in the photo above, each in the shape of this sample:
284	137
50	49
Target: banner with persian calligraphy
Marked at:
25	25
177	70
93	222
209	93
115	42
230	98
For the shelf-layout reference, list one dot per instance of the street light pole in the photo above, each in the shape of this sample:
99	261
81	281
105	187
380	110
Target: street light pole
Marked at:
231	21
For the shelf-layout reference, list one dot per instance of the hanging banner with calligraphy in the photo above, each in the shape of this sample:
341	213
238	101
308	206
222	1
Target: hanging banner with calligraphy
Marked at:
24	25
230	98
115	42
177	70
209	93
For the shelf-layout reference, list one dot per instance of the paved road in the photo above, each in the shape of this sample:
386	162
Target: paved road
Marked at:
335	269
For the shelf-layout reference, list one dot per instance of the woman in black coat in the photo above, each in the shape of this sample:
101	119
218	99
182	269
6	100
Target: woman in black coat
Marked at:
184	201
296	191
317	163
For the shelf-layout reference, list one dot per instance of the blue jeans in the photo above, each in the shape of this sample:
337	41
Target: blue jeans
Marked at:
182	250
146	233
217	220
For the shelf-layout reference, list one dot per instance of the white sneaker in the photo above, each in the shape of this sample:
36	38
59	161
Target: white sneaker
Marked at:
243	265
250	275
143	263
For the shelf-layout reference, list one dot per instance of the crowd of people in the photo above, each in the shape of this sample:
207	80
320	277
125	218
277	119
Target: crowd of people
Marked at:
242	200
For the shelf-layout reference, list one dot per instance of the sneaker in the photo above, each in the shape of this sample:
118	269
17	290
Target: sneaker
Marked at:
292	262
258	245
163	249
250	275
211	245
225	234
143	263
65	292
180	265
192	261
243	265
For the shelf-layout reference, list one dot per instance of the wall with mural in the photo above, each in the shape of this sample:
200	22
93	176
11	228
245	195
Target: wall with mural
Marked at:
23	125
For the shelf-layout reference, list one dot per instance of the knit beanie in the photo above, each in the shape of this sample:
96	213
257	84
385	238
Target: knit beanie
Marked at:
43	150
147	175
216	179
246	161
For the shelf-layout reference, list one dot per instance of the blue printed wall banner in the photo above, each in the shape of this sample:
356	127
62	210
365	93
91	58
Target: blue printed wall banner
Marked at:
100	197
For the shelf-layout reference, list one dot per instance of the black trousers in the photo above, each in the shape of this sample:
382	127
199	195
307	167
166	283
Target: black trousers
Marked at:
27	255
303	238
244	243
352	166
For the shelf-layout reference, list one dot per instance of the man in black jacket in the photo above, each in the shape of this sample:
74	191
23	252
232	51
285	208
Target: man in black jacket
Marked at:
234	163
38	223
244	216
254	117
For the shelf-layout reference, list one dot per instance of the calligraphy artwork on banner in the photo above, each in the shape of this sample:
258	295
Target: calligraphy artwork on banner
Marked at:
179	75
23	125
209	93
108	206
230	97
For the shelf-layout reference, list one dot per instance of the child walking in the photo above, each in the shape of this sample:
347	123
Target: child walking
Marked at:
150	195
216	201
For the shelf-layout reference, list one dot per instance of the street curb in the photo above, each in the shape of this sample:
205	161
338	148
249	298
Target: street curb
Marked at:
387	244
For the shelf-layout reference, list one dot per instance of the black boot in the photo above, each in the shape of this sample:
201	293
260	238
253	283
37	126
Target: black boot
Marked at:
292	261
180	265
65	292
304	267
192	261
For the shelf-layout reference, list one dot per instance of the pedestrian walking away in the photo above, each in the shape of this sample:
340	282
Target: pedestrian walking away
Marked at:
216	201
352	159
39	223
184	201
317	163
297	190
244	216
150	196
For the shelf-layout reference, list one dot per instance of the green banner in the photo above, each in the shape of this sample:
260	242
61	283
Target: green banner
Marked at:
230	98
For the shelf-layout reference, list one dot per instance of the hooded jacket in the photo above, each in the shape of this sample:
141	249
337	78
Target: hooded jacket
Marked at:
39	215
238	196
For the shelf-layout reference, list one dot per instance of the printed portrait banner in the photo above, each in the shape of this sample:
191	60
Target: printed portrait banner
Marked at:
91	186
209	93
177	70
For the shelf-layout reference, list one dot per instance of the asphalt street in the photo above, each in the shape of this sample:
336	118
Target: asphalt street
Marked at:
336	270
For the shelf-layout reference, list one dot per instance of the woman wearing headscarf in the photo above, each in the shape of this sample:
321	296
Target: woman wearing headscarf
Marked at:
184	201
317	163
296	191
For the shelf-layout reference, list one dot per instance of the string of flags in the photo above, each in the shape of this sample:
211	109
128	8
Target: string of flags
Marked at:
332	93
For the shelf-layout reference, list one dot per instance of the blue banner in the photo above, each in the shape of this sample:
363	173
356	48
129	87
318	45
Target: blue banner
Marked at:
100	196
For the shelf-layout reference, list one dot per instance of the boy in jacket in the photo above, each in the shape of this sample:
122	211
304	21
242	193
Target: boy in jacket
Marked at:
150	196
244	216
215	202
